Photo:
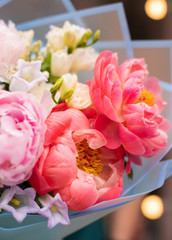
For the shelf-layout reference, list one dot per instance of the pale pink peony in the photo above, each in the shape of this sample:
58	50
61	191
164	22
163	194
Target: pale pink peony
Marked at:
130	104
22	131
81	181
13	45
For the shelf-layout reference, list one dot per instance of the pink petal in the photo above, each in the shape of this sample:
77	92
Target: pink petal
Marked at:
116	95
132	90
110	112
81	194
78	120
60	166
37	180
130	66
152	85
130	141
94	138
109	129
57	122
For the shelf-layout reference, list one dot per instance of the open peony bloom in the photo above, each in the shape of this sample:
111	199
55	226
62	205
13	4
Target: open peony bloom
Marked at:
22	131
130	104
74	162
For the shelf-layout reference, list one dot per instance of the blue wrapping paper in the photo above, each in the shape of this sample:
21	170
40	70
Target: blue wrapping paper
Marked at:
146	178
34	226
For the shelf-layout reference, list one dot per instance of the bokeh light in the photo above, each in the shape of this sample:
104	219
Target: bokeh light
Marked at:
152	207
156	9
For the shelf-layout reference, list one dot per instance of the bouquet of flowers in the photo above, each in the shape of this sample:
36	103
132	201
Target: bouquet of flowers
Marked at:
66	145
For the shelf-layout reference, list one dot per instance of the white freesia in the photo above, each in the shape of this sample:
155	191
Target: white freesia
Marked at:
74	31
28	36
27	76
83	59
69	82
55	38
61	63
80	98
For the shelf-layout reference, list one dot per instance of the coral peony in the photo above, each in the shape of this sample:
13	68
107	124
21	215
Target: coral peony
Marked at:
22	131
130	104
75	163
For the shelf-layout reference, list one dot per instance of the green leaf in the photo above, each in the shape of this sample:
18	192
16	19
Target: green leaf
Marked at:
46	65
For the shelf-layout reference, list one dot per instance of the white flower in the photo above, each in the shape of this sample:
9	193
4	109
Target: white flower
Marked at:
80	98
83	59
69	82
55	38
27	77
74	31
54	209
28	36
19	202
61	63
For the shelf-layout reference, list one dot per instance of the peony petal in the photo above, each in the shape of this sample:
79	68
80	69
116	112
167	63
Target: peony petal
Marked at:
109	129
94	138
78	120
56	123
81	194
130	141
59	166
110	112
132	90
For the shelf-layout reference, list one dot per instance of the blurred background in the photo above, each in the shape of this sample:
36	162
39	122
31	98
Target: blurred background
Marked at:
129	222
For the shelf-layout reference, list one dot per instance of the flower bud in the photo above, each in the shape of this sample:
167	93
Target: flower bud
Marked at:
69	38
69	82
57	85
61	63
56	39
67	94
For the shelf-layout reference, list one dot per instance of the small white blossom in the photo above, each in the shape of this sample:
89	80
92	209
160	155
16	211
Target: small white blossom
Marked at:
83	59
27	76
55	38
61	63
19	202
54	209
74	30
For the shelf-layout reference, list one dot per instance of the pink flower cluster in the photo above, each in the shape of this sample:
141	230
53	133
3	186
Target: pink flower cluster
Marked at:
75	162
80	155
129	105
84	151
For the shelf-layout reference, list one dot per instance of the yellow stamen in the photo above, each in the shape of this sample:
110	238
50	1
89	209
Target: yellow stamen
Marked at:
53	208
89	160
146	97
15	201
27	77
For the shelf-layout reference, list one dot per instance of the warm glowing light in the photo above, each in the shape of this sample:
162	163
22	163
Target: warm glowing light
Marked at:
152	207
156	9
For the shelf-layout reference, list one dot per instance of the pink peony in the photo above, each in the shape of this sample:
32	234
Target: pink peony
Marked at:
75	163
21	136
13	45
130	105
